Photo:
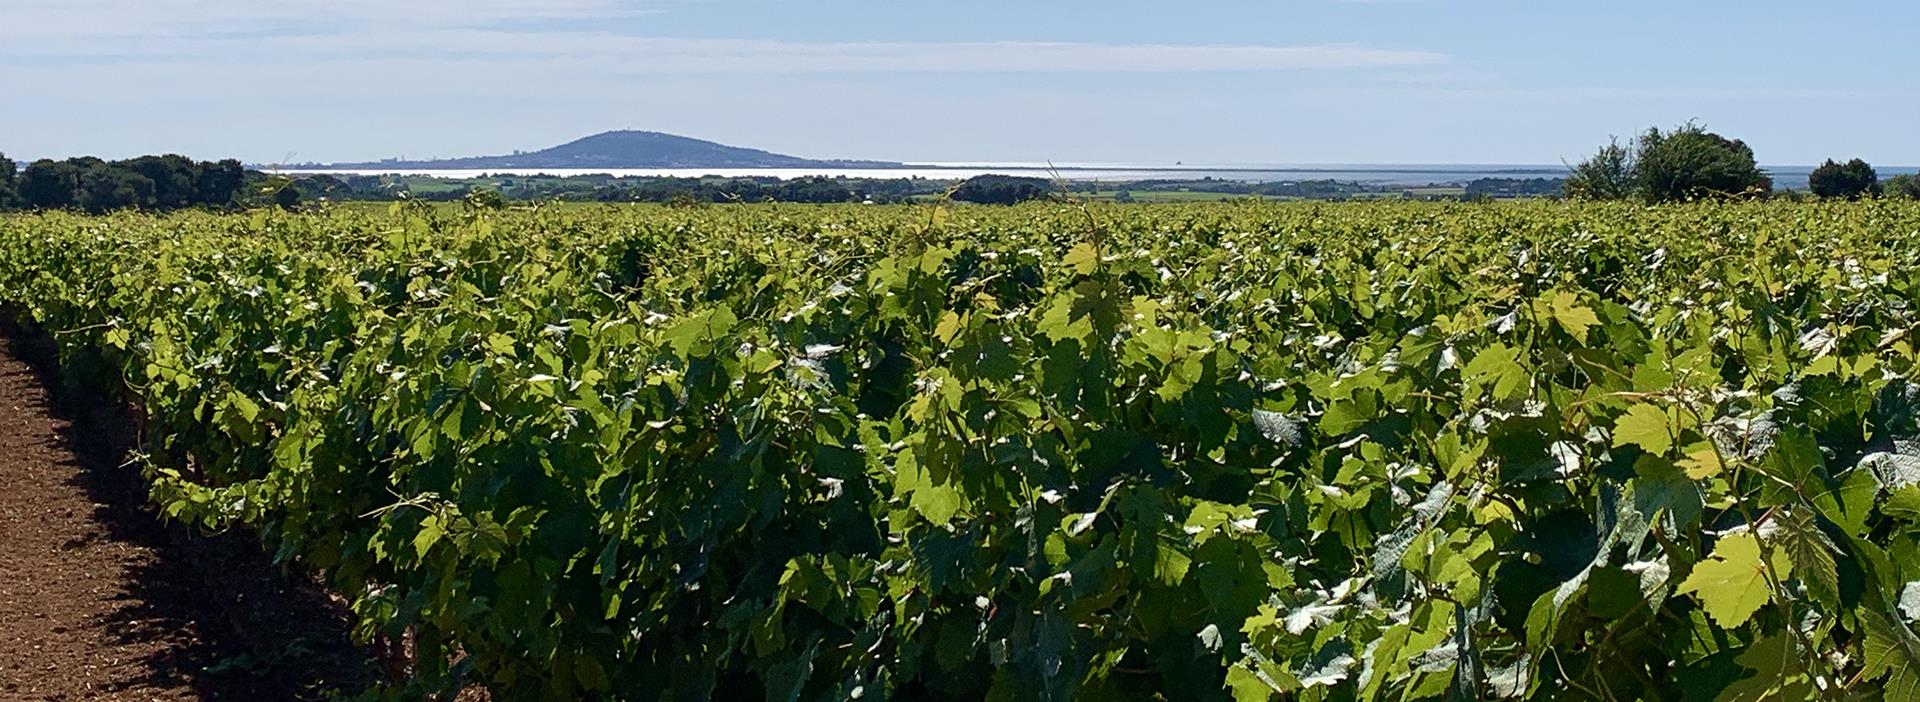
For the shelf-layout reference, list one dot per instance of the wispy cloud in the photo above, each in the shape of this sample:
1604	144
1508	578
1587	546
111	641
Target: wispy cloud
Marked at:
600	52
1611	94
38	34
86	19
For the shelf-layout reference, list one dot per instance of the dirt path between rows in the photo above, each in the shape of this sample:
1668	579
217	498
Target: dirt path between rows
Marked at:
101	601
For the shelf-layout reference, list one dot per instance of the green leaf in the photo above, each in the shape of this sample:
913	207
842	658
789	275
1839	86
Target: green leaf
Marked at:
1351	414
936	502
431	530
1083	258
1849	504
1903	504
1499	367
1811	553
1646	426
1279	428
1701	462
1732	585
1659	488
1248	685
1573	317
695	336
949	326
1256	679
787	681
1892	655
1777	674
1329	667
1170	565
592	677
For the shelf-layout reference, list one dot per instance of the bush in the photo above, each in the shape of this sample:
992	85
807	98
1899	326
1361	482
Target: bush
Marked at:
1691	163
1904	185
9	172
1686	163
1852	180
1002	190
485	199
1606	176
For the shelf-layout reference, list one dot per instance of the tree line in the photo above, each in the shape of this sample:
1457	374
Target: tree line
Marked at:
1691	163
154	183
1684	163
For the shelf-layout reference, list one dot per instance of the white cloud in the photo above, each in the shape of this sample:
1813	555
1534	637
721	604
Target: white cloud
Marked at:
83	19
606	53
58	35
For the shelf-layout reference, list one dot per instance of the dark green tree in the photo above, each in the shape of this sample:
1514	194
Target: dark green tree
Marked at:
1692	163
1904	185
485	199
1852	180
9	176
1608	175
321	187
218	184
283	193
173	177
1002	190
106	188
49	185
814	190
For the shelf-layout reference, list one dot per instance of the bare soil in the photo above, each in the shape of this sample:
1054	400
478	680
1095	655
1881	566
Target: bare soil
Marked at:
101	600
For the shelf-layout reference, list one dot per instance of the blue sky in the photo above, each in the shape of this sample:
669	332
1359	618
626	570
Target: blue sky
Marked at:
1274	81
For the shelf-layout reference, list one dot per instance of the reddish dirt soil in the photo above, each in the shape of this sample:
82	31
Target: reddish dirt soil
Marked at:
99	600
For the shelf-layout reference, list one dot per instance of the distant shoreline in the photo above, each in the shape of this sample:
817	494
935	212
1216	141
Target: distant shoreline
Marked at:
1788	177
1438	169
1406	175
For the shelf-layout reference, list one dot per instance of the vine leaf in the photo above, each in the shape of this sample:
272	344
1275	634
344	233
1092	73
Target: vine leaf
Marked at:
1329	667
1893	654
1279	428
1082	258
1646	426
1577	320
1777	674
431	530
1499	366
1732	585
1811	553
1702	462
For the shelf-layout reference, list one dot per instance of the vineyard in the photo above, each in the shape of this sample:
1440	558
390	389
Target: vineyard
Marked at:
1222	452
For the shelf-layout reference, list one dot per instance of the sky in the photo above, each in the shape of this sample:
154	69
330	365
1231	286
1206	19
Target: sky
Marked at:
1067	81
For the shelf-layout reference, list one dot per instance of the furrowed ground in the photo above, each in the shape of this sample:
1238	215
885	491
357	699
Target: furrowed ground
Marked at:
100	601
1241	451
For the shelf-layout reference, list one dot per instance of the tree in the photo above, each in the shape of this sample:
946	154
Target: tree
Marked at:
1904	185
1853	180
815	190
49	185
321	187
1608	175
9	174
283	193
1691	162
173	179
1002	190
219	184
485	199
105	188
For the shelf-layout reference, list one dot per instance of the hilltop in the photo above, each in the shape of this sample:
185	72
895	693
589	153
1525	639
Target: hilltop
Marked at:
629	149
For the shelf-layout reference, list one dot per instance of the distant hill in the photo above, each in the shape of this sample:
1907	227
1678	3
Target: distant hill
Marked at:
627	149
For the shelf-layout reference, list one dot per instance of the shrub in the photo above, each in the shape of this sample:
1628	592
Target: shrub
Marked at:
1852	180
